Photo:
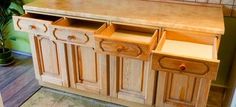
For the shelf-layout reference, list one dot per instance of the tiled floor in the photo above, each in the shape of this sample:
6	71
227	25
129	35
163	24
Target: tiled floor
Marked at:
47	97
51	98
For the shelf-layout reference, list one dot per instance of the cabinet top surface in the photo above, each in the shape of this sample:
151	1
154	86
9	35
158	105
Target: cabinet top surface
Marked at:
170	15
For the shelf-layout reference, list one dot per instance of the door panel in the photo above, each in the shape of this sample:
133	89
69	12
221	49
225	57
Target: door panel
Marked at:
48	69
178	90
131	75
49	56
88	64
88	69
131	79
181	88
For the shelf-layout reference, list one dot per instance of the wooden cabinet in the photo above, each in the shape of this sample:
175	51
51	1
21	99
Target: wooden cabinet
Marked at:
186	63
137	55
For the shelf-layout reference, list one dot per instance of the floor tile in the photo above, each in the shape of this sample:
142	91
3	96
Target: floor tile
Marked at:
46	97
43	98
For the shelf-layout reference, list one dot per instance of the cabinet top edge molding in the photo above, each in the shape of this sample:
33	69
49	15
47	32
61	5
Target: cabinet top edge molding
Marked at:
208	19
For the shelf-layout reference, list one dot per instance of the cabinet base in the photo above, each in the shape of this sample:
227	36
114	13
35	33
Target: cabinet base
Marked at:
93	95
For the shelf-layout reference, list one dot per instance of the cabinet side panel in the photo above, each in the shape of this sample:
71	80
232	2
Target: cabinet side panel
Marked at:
35	55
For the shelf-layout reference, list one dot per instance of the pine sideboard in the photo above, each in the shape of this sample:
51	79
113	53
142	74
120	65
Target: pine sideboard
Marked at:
128	52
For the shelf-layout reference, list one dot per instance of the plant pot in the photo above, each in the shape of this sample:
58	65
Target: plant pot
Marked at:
6	57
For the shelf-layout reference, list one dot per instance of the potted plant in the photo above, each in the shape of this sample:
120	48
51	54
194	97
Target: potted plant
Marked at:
7	9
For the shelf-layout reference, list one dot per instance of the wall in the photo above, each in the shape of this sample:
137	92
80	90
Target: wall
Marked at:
226	50
233	81
229	5
230	94
21	43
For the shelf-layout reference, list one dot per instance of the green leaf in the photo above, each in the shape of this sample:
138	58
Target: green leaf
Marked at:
13	38
6	13
16	8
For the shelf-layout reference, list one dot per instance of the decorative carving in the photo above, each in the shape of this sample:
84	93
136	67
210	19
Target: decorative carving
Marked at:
46	28
72	38
17	23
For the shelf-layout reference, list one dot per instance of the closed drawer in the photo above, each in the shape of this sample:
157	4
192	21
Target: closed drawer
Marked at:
189	53
75	31
127	41
34	23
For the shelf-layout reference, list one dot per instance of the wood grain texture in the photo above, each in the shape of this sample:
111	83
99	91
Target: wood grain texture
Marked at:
99	47
172	15
1	101
123	40
75	31
130	80
177	90
88	69
33	23
172	58
18	82
47	61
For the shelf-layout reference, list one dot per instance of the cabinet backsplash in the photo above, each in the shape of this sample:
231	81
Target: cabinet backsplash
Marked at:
229	5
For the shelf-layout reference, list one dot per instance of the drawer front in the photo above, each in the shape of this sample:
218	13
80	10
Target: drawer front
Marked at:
188	66
119	48
31	25
73	36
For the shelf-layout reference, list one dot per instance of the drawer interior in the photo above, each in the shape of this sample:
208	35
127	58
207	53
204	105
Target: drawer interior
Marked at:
79	24
41	17
129	33
189	44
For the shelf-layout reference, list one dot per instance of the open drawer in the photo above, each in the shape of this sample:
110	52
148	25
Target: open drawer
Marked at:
185	52
126	40
76	31
34	23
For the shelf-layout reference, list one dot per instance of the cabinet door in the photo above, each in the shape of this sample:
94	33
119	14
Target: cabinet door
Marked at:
88	70
48	60
179	90
132	80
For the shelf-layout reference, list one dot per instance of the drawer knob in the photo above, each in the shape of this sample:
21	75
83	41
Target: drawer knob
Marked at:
182	67
120	48
71	37
33	27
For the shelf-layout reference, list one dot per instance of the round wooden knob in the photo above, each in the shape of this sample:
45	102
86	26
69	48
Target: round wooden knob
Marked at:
120	48
71	37
182	67
32	27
